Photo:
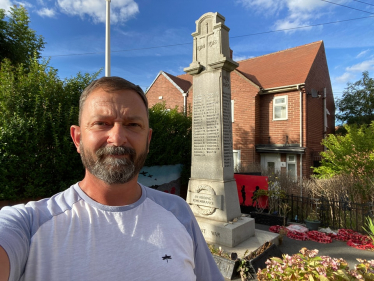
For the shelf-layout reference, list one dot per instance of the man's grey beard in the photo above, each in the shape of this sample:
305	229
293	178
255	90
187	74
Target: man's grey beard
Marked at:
113	170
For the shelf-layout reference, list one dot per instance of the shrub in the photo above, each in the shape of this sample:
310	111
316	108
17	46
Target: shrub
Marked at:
308	266
370	228
351	155
171	139
37	156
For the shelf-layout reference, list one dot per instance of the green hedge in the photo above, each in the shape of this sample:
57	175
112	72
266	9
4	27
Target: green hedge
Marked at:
37	156
171	139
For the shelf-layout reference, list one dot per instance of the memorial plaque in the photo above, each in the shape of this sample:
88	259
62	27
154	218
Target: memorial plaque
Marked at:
208	200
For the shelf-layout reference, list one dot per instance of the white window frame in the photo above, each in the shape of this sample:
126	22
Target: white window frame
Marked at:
238	164
280	104
292	162
232	111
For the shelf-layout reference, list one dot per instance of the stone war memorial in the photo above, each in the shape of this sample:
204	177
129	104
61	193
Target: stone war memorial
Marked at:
212	192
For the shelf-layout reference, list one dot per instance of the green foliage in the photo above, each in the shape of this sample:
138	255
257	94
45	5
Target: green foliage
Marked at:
243	269
18	42
352	155
313	216
357	103
37	156
218	251
171	139
370	228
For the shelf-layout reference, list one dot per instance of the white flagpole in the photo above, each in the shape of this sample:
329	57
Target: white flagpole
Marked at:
107	40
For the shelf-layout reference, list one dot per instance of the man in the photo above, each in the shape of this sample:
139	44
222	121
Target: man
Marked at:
107	226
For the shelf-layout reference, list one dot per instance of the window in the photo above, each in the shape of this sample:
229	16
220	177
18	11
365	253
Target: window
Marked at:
280	108
236	158
291	166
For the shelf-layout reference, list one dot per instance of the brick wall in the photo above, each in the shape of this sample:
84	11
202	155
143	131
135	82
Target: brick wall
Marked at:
170	94
317	79
279	130
244	93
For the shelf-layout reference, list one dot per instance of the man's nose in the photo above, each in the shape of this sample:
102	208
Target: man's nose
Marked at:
117	135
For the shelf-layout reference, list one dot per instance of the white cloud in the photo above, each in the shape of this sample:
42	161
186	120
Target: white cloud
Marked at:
239	58
299	12
45	12
290	26
121	10
362	53
5	4
361	67
270	6
346	77
349	75
23	3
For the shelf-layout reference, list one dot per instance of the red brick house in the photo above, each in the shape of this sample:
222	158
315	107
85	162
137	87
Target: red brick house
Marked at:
282	107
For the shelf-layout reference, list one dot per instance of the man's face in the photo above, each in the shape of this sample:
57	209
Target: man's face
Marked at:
114	135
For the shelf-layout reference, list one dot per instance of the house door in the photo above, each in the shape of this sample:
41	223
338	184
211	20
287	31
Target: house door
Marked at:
271	162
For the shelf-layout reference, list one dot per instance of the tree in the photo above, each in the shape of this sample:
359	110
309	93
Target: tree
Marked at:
351	155
37	156
357	103
18	42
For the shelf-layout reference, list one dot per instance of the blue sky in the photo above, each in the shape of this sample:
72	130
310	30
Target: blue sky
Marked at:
75	28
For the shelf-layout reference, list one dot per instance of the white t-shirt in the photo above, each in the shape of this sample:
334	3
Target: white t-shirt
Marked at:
72	237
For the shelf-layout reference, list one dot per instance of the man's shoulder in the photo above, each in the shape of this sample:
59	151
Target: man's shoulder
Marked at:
56	204
164	198
173	203
44	209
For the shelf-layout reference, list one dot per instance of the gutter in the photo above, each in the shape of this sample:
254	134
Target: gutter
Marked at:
301	137
185	103
281	89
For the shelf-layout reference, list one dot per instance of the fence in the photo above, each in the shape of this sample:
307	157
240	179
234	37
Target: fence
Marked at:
333	214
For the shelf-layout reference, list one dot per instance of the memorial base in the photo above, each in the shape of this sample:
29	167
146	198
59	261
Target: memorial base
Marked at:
227	234
229	268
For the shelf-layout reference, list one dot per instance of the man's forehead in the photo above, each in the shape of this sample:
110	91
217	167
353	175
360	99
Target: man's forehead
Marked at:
127	98
101	102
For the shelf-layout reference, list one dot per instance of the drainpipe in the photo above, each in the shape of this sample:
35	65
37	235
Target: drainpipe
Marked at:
185	104
324	116
301	139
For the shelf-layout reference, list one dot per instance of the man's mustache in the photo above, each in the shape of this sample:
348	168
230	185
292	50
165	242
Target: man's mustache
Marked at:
115	150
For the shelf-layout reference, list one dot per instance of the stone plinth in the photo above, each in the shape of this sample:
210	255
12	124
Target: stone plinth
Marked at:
227	234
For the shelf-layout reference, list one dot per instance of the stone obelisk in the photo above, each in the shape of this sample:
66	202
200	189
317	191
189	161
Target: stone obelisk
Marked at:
212	191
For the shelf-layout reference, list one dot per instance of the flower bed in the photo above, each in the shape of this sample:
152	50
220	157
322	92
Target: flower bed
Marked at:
353	239
308	266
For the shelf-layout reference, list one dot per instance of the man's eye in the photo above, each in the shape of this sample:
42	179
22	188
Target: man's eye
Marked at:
99	123
134	125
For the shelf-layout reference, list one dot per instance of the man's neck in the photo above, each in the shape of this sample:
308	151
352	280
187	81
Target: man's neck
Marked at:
111	194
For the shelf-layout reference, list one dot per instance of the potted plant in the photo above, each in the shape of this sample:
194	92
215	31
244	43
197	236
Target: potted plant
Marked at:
312	221
227	263
243	269
273	196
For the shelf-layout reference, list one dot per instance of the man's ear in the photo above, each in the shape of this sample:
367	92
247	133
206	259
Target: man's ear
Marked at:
149	138
75	133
